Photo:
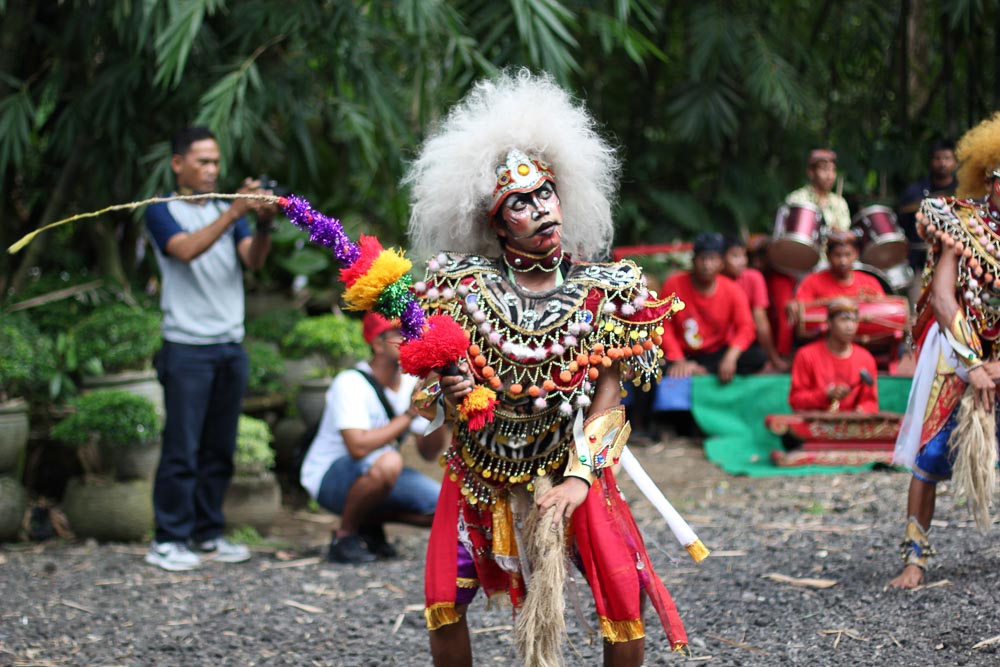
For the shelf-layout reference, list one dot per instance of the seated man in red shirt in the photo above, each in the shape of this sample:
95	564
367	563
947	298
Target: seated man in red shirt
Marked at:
834	374
734	267
715	331
840	280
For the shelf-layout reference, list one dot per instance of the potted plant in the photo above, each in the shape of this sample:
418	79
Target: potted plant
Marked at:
264	387
254	496
272	327
336	340
114	348
24	357
117	439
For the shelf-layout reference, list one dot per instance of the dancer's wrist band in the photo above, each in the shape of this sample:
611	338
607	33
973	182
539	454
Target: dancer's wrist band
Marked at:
964	340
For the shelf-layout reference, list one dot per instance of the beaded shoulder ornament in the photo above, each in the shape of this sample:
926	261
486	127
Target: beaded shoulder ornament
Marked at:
540	354
550	346
971	230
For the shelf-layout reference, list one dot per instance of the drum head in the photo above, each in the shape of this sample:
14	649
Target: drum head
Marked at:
791	254
878	274
886	252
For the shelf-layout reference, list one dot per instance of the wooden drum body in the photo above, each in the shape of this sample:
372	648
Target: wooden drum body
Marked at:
883	243
880	319
795	243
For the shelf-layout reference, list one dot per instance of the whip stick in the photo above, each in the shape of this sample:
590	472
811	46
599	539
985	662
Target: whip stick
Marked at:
682	531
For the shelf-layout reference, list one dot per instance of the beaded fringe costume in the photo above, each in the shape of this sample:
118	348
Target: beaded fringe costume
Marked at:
542	353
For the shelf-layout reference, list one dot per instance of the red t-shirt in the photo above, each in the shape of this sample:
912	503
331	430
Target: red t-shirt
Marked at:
815	368
708	322
822	286
753	283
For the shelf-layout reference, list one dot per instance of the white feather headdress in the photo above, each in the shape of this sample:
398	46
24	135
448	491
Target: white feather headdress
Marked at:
454	175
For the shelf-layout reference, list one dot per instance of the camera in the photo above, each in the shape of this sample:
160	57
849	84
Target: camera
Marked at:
268	183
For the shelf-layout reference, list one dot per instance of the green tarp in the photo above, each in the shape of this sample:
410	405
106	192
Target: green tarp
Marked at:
732	418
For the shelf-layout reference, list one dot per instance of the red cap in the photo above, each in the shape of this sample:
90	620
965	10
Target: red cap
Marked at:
373	325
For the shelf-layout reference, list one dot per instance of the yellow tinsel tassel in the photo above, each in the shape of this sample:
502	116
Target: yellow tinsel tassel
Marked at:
387	268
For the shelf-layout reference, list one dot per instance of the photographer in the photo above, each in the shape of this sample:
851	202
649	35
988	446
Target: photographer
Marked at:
202	366
353	467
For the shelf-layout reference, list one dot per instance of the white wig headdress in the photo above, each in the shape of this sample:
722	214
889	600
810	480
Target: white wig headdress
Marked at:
454	177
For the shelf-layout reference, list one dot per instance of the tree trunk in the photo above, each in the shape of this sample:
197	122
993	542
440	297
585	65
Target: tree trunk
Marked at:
57	203
904	67
948	76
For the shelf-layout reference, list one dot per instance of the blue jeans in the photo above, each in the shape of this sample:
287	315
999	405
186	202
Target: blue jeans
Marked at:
413	493
203	389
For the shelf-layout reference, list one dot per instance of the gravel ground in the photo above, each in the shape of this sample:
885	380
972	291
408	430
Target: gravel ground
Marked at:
87	604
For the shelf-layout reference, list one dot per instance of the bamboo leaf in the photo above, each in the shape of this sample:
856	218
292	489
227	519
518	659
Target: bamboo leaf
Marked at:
173	45
16	114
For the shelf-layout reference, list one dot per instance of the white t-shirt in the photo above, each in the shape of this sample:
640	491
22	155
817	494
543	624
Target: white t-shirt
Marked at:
351	402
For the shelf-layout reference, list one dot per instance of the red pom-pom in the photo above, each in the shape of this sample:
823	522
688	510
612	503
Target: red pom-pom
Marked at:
443	342
370	249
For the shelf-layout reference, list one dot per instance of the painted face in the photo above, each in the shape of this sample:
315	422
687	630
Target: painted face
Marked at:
735	261
532	221
842	257
198	169
844	326
822	175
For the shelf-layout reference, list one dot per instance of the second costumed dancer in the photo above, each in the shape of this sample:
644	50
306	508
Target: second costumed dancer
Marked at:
511	197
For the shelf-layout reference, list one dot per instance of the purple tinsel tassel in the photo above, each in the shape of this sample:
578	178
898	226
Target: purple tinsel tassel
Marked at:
412	321
328	232
325	231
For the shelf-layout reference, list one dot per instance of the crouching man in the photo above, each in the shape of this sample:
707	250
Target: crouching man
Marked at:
353	467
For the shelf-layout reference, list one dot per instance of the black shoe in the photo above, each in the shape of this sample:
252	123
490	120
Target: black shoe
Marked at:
349	549
378	544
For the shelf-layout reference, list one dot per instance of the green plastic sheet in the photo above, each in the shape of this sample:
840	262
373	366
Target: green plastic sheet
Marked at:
732	418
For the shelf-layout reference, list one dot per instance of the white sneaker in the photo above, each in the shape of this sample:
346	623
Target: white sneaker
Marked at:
222	550
172	556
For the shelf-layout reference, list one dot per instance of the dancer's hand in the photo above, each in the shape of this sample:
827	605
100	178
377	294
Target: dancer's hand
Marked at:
983	387
455	387
993	370
565	498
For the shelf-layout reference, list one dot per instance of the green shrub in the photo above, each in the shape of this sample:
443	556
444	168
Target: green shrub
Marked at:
54	314
112	416
26	359
117	338
274	325
337	339
254	455
266	367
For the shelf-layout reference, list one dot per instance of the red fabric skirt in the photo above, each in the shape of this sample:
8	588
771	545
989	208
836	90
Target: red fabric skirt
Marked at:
604	538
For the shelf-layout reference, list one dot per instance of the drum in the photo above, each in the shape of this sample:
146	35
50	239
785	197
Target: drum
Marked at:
878	274
838	430
795	244
883	243
900	277
881	319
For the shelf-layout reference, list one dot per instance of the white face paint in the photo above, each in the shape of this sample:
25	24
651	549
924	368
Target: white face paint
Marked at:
532	220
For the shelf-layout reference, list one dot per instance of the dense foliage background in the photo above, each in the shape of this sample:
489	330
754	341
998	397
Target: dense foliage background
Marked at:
714	104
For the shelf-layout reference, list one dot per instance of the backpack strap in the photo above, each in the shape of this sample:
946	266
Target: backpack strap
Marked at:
382	398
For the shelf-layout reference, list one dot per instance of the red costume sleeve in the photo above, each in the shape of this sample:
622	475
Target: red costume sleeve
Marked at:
756	289
805	291
744	332
808	389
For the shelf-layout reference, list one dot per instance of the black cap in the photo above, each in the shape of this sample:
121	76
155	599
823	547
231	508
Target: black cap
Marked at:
709	242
